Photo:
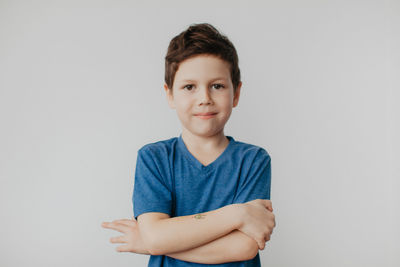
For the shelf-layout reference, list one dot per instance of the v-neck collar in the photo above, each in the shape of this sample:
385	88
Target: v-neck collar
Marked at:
196	163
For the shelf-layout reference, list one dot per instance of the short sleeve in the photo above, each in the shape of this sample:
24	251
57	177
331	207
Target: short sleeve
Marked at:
257	183
151	192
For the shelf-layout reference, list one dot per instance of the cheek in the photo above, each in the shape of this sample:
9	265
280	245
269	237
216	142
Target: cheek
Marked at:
226	103
226	98
184	107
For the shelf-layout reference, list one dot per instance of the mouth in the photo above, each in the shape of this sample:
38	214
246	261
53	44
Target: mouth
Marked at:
207	115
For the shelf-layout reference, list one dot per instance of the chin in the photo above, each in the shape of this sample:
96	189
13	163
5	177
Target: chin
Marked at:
207	133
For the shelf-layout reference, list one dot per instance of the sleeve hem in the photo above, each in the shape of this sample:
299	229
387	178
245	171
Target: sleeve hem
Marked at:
137	213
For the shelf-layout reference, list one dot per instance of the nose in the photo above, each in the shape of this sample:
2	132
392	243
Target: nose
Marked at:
205	97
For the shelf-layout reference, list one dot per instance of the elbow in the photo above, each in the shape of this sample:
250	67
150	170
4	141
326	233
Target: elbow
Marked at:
150	247
153	244
151	233
251	250
153	250
150	242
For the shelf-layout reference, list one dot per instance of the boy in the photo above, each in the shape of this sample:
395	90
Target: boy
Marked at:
203	197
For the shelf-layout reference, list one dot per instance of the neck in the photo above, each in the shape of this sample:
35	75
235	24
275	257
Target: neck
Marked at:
205	143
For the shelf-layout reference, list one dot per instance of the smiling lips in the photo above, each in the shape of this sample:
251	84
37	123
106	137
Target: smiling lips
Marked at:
206	115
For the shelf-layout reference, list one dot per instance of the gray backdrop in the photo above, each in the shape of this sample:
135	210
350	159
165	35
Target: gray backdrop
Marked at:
81	92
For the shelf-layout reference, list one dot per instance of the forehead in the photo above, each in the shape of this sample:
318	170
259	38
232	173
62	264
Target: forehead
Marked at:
202	67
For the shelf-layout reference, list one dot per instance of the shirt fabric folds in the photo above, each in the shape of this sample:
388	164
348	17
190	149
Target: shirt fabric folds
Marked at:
169	179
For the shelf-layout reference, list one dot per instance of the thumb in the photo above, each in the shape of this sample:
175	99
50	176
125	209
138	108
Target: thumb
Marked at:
268	204
261	245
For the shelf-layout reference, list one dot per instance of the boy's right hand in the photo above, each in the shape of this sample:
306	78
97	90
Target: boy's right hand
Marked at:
258	220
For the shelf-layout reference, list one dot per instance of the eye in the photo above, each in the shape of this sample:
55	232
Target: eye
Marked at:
188	87
218	85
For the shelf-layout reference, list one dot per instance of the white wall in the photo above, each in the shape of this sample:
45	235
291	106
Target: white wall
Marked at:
81	91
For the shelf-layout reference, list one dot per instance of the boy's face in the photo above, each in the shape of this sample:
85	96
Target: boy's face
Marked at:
202	85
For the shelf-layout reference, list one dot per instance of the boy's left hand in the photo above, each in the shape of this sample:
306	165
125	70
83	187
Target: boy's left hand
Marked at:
132	238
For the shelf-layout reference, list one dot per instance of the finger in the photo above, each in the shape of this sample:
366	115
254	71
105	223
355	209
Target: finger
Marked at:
268	203
123	221
261	245
120	220
128	223
116	226
124	248
118	239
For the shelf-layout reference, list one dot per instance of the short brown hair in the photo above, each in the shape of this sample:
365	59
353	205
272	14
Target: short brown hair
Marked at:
202	38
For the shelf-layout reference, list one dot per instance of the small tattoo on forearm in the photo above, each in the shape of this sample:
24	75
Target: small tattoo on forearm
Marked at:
199	216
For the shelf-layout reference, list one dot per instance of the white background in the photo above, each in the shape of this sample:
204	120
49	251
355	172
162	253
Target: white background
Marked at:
81	92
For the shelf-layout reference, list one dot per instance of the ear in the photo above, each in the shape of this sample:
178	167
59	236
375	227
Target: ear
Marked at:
170	96
237	95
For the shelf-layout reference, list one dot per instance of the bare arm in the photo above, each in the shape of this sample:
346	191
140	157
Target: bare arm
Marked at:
256	228
234	246
163	235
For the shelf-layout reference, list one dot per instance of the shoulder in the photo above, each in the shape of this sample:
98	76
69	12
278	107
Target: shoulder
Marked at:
158	148
250	151
155	157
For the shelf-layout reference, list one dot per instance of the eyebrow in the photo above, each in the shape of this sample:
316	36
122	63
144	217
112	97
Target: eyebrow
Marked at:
215	79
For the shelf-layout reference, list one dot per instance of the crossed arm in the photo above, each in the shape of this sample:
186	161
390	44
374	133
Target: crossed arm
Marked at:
234	246
215	240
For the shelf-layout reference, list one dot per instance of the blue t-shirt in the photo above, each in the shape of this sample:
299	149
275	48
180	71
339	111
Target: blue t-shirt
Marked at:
169	179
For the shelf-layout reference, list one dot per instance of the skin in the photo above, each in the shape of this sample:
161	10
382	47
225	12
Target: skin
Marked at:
210	89
132	240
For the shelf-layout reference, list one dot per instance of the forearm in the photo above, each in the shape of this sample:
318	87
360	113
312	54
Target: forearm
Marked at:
235	246
186	232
